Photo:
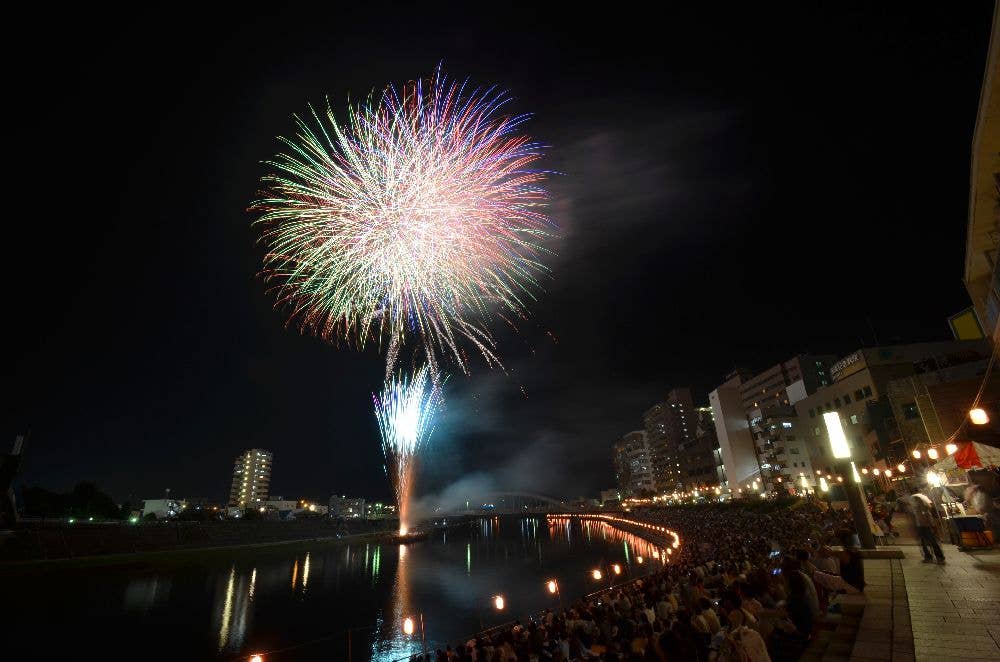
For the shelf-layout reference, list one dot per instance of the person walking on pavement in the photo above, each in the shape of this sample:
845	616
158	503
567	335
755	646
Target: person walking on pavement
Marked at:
923	513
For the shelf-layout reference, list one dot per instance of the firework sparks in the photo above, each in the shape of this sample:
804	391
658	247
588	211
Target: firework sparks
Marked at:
405	412
420	218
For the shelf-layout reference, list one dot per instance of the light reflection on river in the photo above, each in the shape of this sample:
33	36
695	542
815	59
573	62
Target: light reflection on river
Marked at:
300	604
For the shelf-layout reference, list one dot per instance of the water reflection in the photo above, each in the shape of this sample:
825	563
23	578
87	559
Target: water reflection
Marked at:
278	599
392	643
233	609
145	593
633	547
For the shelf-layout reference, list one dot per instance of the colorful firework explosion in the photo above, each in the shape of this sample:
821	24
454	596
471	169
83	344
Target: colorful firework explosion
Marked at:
420	218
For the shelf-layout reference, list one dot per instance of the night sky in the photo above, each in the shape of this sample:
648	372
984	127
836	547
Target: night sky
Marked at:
734	189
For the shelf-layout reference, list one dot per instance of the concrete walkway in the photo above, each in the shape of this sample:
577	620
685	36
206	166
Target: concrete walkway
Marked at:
954	608
924	612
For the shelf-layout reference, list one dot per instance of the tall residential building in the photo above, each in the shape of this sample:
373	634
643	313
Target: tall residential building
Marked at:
670	426
982	246
701	456
251	478
633	465
752	414
736	445
767	389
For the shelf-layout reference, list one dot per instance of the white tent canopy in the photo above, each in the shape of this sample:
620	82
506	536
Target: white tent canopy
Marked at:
988	455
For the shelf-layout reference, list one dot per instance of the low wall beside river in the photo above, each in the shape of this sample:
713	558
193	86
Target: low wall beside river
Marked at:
61	540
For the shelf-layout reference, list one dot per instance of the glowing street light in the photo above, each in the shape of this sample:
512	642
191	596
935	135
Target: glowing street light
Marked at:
408	626
978	416
498	602
552	586
932	453
596	574
916	454
841	450
951	448
617	568
901	467
257	658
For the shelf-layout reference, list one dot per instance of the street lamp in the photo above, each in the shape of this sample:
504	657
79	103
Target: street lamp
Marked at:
596	574
498	602
978	416
842	451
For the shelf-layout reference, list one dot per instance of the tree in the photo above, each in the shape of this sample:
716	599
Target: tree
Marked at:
84	501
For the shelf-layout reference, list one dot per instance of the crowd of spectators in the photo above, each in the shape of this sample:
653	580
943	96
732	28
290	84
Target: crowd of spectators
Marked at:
745	585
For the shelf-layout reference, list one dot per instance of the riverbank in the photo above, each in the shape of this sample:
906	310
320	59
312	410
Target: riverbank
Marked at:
180	556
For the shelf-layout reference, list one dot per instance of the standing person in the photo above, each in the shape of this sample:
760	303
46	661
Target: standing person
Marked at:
923	513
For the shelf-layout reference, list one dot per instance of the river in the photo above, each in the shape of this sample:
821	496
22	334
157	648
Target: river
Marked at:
314	602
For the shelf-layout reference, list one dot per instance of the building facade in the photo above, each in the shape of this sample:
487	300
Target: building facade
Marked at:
982	242
736	445
162	508
610	496
701	456
869	386
633	465
251	479
341	507
670	427
755	420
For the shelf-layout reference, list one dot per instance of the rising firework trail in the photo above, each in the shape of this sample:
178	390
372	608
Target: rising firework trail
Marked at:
405	411
421	217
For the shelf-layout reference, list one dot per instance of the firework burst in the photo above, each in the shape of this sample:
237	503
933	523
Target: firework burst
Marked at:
405	411
420	217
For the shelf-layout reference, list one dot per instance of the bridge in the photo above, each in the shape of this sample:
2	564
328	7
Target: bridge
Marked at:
510	503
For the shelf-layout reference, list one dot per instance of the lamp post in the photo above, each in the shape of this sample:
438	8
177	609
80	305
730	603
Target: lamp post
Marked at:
842	452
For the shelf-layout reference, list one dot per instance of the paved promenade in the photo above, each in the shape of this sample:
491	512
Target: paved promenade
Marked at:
925	612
